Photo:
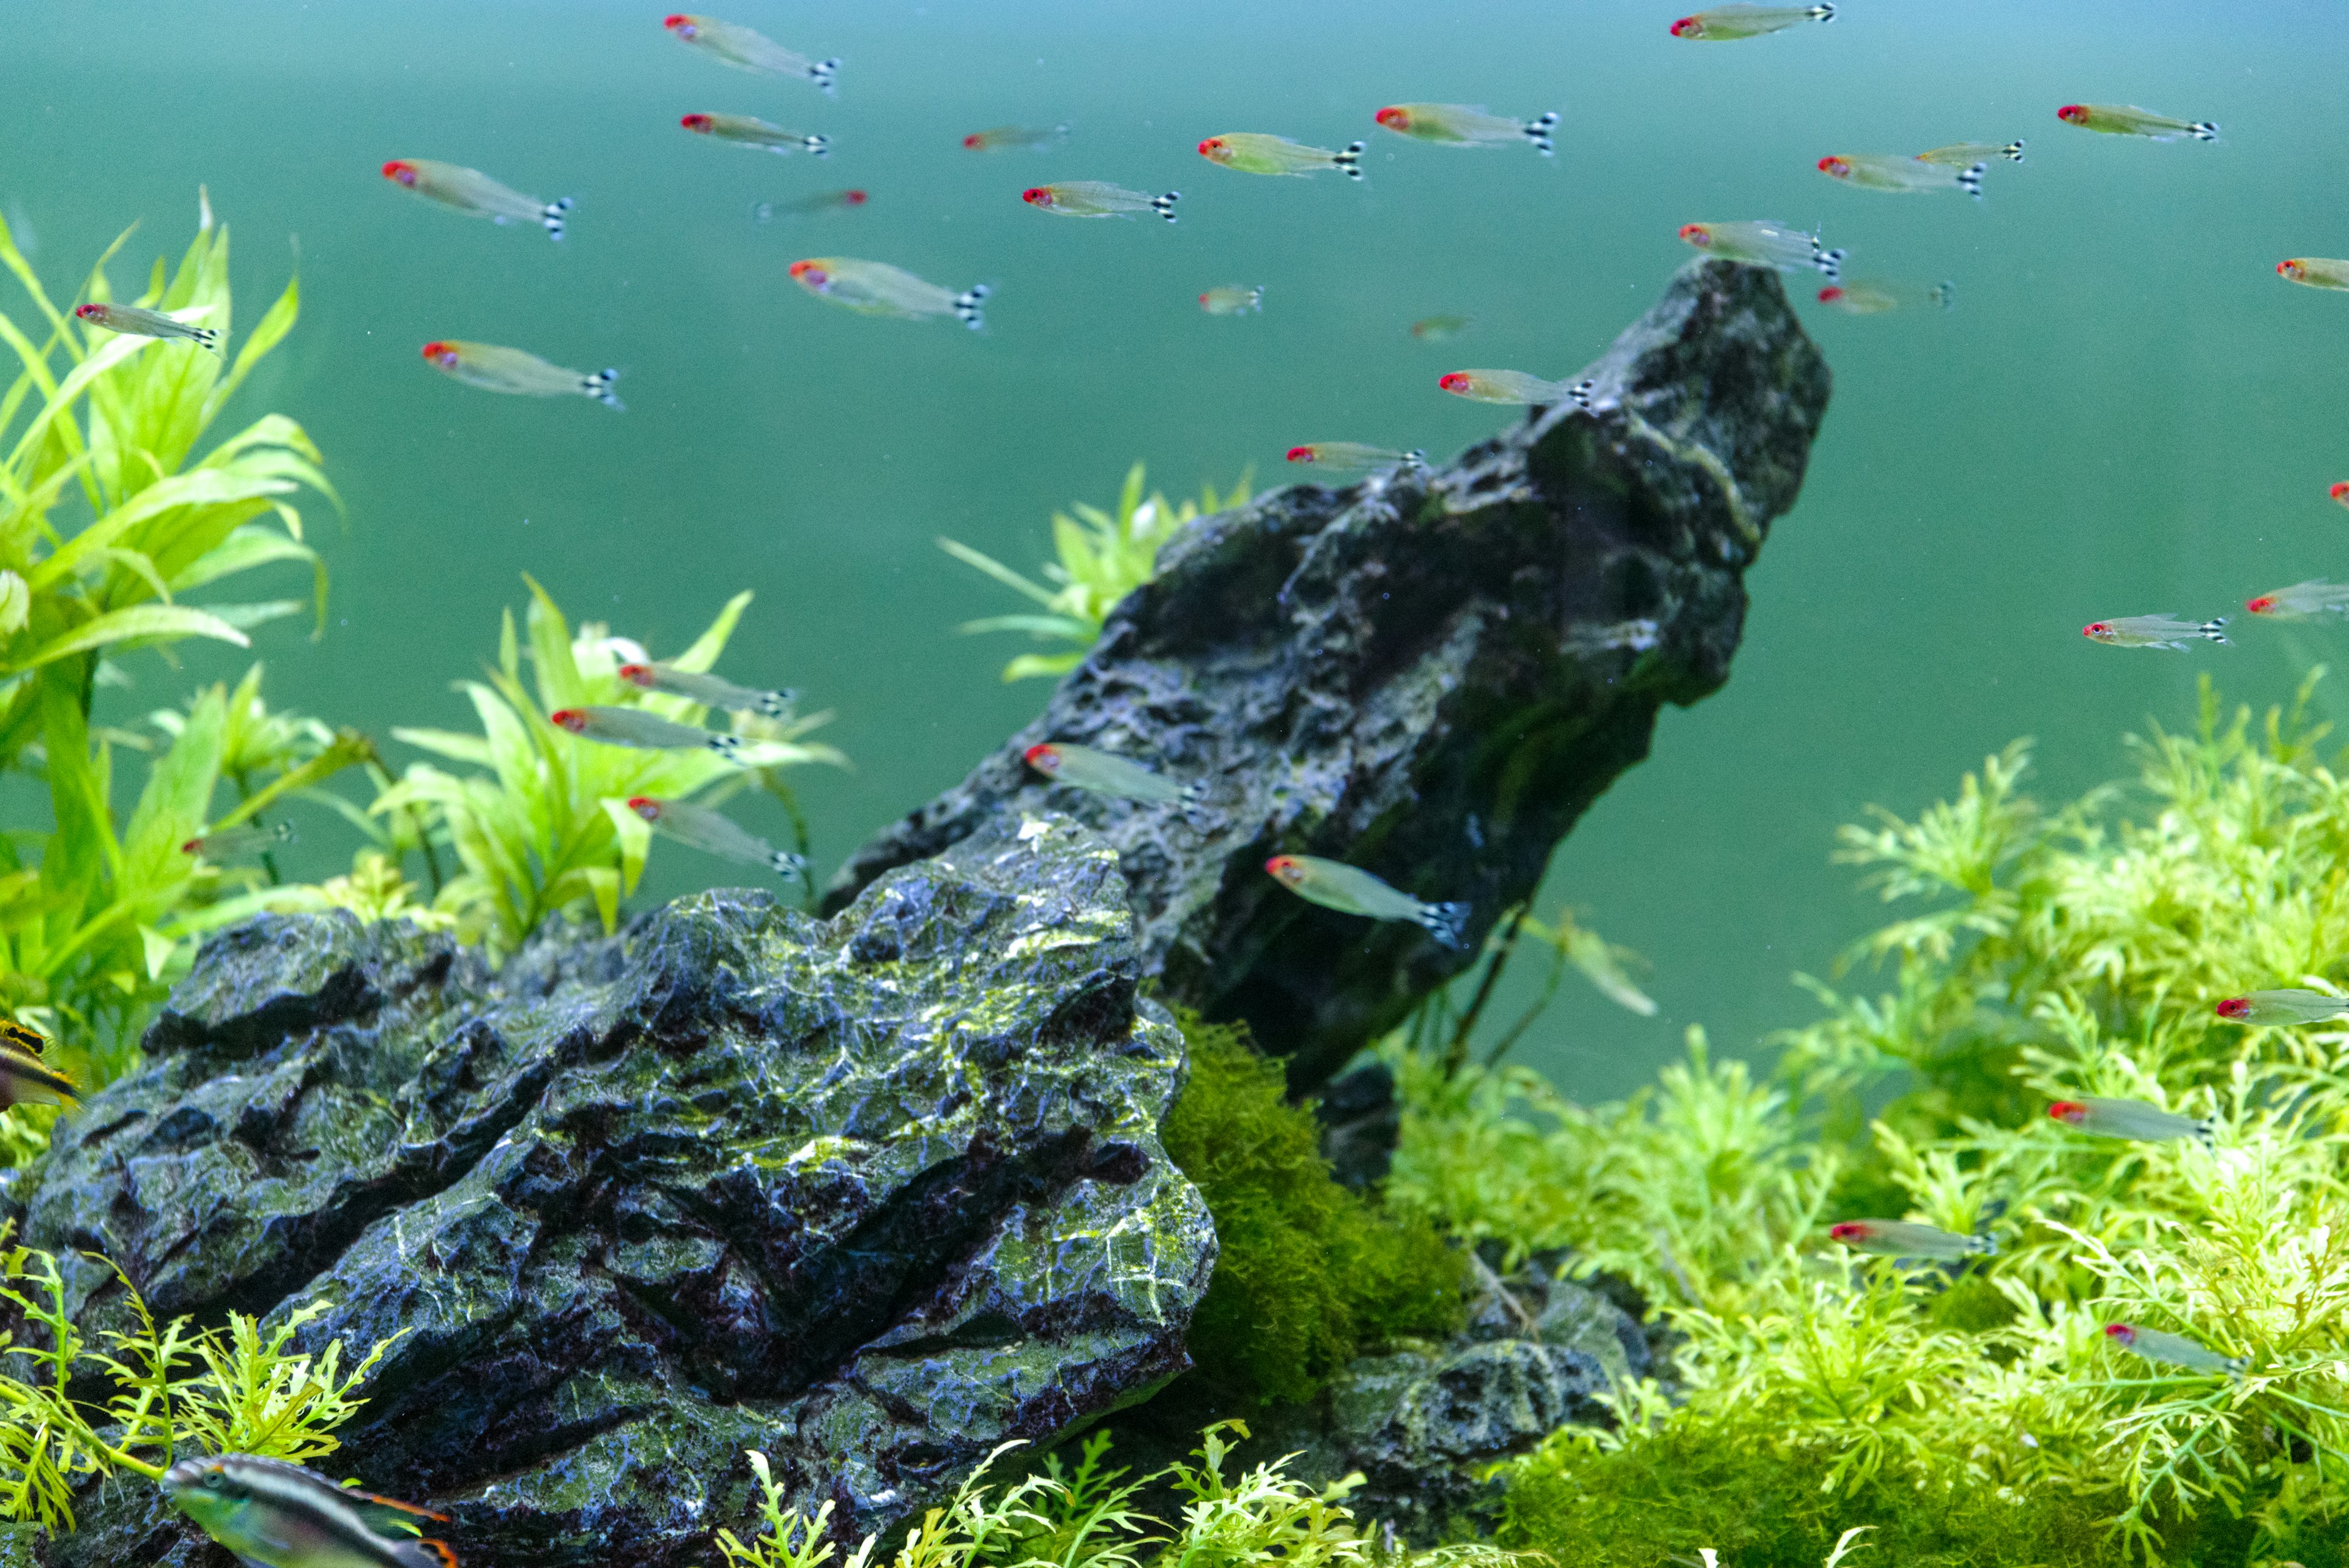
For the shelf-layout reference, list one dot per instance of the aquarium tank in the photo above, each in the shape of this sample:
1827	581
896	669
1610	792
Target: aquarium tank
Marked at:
935	785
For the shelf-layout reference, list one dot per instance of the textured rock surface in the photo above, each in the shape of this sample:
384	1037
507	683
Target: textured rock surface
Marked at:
871	1195
1430	675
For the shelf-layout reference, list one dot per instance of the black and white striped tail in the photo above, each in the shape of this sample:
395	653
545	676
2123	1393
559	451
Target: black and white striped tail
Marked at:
1414	458
1164	205
1945	295
599	387
1351	159
2213	629
726	746
824	73
1579	394
967	306
2012	151
791	866
1537	132
2203	131
818	145
778	704
552	217
1827	262
1821	13
206	338
1969	180
1447	923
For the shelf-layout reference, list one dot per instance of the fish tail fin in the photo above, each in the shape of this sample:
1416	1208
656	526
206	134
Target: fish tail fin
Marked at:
788	866
2203	131
1828	262
1417	457
1164	205
1537	132
2012	151
778	704
1350	159
1945	295
551	217
967	306
1823	13
1579	393
283	833
599	387
426	1553
2206	1132
818	145
726	746
1447	923
206	338
1970	178
1982	1246
826	74
2212	629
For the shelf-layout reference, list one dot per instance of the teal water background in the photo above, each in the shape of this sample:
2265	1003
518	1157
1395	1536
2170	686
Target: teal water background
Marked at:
2127	412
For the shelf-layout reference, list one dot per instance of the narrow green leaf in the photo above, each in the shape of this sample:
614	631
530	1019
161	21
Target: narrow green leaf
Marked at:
168	621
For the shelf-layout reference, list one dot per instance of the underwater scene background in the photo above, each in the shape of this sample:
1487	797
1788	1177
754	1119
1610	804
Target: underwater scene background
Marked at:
2125	412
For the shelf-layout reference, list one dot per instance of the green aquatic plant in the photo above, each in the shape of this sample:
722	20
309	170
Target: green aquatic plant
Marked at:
1103	558
174	1389
545	831
1306	1270
1979	1413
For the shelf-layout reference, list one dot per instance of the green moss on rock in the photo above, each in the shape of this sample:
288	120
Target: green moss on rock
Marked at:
1307	1272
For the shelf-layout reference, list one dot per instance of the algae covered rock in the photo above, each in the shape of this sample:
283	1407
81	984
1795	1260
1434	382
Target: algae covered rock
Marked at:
1429	674
873	1195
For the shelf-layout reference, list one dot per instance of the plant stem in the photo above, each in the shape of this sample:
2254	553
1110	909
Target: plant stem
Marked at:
1456	1055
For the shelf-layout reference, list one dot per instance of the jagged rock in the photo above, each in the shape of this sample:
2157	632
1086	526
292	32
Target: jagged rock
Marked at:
1429	674
871	1195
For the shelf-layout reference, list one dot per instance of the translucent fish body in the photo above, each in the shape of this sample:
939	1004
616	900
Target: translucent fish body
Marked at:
804	206
279	1515
27	1080
2131	1119
1867	298
739	45
1004	137
1764	244
239	842
1723	24
748	131
710	690
1902	176
2124	120
644	731
1352	890
1461	125
2300	600
715	833
1907	1238
1511	387
1232	299
496	369
2315	272
474	193
1347	456
2172	1349
137	321
1251	153
1436	329
1106	773
2154	631
2282	1007
1097	199
876	288
1958	154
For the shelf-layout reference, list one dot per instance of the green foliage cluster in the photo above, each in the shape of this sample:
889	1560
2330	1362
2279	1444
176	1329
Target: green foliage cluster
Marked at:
174	1390
1088	1516
1978	1414
1103	558
1306	1270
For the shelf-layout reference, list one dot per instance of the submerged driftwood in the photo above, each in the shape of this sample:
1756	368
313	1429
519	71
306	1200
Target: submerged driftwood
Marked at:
1429	674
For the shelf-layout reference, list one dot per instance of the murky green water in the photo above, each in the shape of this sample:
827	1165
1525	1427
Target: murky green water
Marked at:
2127	412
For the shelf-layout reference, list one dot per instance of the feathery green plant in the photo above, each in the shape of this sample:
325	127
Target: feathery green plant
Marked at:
1103	558
1978	1414
546	830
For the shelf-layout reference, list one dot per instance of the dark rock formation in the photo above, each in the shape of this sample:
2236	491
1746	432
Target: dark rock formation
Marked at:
1428	674
872	1196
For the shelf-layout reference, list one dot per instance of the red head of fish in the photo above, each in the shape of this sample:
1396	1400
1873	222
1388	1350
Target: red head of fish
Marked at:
2291	269
811	273
646	807
1456	382
402	170
441	353
1036	196
1302	454
2073	114
697	123
2261	605
2339	491
1849	1232
852	198
636	674
1696	235
1835	168
1285	869
680	24
90	312
2071	1112
2120	1332
1044	759
2098	628
1395	118
1688	27
570	719
1212	148
1830	294
2236	1007
192	847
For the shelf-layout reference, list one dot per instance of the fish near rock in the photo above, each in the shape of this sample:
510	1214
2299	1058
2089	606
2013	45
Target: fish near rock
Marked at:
1364	670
